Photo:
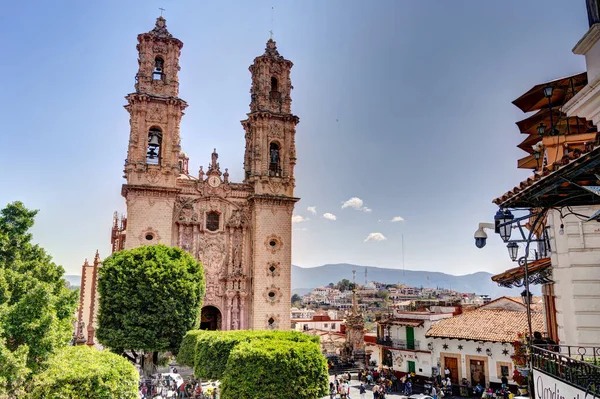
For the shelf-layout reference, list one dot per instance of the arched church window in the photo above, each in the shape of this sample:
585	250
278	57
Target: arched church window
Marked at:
154	146
159	64
275	95
274	160
212	221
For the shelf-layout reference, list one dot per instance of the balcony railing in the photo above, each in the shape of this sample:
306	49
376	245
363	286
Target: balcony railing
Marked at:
398	343
576	365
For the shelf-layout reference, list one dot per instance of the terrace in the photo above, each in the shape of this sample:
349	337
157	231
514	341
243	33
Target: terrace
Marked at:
575	366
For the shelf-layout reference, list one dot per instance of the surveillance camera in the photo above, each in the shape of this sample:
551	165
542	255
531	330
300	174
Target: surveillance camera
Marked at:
480	242
480	236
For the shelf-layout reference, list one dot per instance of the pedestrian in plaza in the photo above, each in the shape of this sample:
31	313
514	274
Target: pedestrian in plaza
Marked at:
362	391
433	392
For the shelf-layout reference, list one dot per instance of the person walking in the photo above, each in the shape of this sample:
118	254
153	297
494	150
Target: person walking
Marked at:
362	391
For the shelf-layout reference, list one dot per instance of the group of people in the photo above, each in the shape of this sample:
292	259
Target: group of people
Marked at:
340	387
385	379
169	389
489	393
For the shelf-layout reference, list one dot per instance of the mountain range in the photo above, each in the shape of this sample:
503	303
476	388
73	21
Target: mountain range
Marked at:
304	279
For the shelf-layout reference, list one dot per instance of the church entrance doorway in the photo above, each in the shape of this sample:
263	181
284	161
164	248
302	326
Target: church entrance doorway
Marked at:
210	319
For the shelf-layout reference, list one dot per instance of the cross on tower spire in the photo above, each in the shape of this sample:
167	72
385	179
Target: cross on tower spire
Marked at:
161	10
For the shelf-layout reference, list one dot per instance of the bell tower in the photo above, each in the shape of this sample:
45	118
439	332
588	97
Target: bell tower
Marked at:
153	155
269	162
155	110
270	154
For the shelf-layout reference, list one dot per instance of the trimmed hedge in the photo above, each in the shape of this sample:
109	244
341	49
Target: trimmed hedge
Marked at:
86	373
187	350
213	348
275	369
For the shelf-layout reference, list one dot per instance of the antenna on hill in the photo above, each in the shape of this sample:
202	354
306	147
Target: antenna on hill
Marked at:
366	282
428	281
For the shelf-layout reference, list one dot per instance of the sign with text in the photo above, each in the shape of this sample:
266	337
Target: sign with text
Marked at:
547	387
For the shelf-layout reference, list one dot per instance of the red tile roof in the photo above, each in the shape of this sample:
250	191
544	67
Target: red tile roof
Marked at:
493	325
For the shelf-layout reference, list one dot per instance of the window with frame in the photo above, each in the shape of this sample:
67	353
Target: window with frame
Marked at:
212	221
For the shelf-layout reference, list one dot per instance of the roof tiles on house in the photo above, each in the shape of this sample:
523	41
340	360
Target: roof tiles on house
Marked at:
493	325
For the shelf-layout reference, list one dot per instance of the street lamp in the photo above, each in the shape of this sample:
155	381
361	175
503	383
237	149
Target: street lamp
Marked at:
526	297
548	90
541	129
513	250
503	221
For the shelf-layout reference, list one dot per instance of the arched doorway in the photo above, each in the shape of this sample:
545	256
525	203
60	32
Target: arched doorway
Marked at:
210	319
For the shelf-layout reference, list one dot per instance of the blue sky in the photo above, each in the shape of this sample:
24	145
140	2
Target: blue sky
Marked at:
405	105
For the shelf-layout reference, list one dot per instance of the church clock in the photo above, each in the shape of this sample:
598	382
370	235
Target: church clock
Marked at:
214	181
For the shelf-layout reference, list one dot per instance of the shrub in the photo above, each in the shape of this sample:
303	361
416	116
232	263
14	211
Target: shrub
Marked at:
187	350
86	373
275	369
212	350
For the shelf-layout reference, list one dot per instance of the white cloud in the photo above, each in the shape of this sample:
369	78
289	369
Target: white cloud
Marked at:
299	219
356	203
375	237
302	229
312	209
329	216
397	219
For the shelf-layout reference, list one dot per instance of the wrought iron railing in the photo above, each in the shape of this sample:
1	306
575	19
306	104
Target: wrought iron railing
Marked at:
398	343
576	365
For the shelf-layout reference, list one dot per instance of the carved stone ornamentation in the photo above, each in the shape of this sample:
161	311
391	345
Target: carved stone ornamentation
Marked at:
149	236
273	243
212	252
272	294
273	269
156	113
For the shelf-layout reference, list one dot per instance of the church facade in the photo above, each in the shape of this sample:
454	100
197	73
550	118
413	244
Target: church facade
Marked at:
240	231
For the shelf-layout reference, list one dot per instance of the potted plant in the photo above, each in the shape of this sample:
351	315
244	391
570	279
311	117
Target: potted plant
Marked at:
519	356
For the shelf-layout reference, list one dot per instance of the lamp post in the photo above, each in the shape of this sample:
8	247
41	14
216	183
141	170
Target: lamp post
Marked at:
548	90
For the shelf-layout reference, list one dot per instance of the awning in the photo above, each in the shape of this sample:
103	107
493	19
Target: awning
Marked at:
564	185
534	99
539	272
403	322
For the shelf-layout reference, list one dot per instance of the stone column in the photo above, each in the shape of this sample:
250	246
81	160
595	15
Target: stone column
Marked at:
180	238
195	241
229	250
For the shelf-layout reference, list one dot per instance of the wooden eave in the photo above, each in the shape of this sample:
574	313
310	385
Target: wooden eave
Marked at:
534	100
559	187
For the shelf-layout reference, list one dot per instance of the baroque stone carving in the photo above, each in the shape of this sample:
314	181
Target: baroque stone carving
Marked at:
272	294
147	233
156	113
273	269
212	252
273	243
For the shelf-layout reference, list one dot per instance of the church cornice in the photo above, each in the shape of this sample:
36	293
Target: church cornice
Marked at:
273	199
144	190
143	98
266	115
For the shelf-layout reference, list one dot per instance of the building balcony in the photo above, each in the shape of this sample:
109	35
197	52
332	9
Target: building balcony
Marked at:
574	365
398	343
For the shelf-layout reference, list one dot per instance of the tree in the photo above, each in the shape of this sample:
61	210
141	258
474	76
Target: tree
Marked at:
150	297
36	307
344	285
86	373
296	300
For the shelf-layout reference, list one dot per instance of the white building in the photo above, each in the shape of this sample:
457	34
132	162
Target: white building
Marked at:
476	345
318	322
402	343
296	313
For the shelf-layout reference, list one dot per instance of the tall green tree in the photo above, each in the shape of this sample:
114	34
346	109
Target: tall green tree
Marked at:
36	307
150	297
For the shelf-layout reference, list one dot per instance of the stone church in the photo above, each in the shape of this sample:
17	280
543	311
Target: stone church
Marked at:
240	231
